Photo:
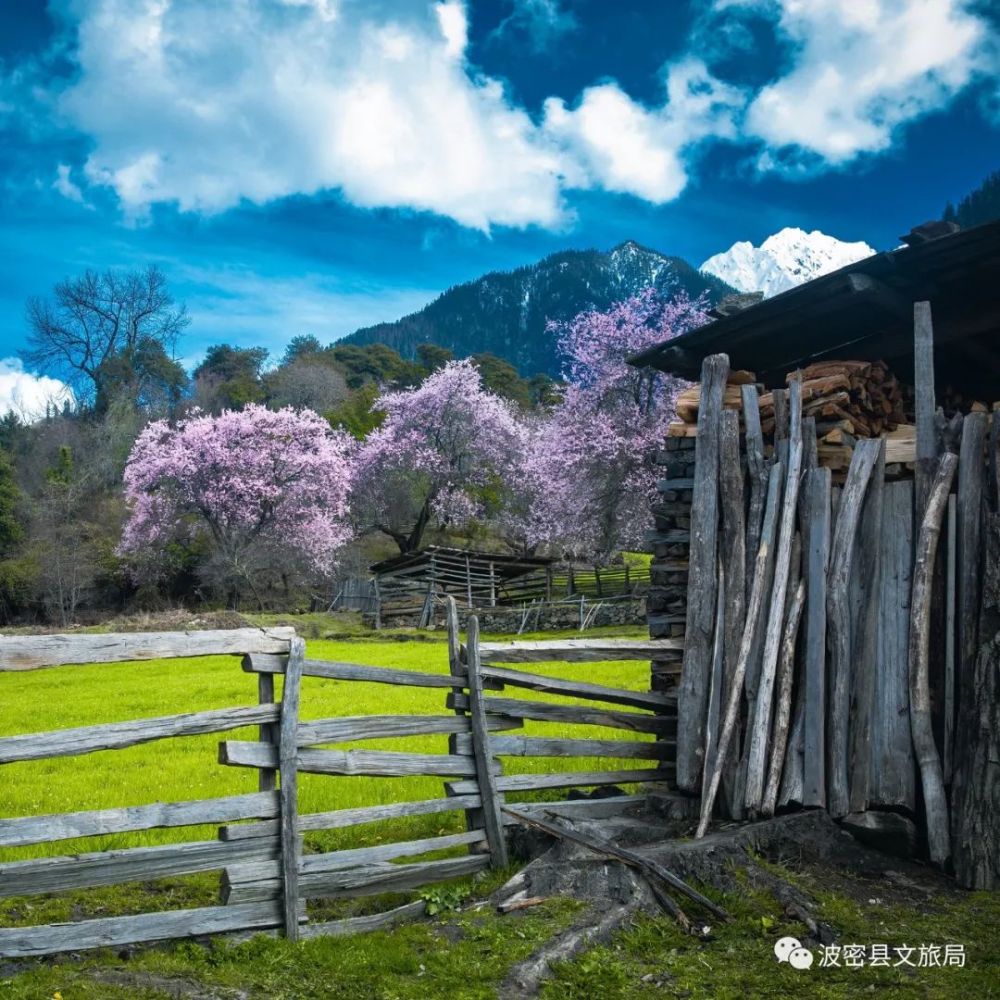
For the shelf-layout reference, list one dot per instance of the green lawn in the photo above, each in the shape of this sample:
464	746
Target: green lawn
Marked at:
186	768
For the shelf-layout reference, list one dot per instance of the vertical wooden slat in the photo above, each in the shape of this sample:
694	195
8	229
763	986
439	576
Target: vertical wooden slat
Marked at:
839	620
893	775
817	560
950	600
733	560
810	446
923	383
935	801
701	597
971	475
287	762
761	731
716	682
780	415
492	800
757	474
755	610
267	777
866	637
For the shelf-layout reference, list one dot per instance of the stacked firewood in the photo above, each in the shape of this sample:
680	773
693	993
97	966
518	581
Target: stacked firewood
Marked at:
851	399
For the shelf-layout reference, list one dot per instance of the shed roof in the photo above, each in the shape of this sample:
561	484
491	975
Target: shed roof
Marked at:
865	311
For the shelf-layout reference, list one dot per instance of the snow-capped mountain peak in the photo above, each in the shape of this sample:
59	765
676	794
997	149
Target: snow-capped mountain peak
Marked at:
786	259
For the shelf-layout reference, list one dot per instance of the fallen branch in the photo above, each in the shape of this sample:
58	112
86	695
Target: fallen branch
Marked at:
650	869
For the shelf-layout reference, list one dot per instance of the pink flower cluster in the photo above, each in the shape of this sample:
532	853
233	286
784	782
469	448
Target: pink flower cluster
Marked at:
253	478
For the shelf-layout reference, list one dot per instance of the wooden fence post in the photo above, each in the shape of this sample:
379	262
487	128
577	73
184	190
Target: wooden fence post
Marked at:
267	777
760	734
288	767
492	803
935	801
923	382
701	597
817	561
838	601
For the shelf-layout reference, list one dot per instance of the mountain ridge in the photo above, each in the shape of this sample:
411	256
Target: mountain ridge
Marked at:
506	312
785	259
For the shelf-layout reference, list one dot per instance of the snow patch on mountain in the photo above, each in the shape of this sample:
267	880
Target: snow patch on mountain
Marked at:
784	260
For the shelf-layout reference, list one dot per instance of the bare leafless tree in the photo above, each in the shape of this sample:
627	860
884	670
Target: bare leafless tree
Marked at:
91	320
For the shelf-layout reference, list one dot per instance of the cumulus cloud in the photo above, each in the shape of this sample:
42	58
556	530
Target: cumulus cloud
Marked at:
621	145
209	105
65	184
861	70
28	395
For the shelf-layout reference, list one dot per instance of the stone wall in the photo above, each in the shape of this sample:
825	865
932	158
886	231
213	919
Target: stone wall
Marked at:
667	598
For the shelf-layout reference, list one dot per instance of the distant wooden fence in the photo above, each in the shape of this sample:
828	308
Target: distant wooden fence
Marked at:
266	877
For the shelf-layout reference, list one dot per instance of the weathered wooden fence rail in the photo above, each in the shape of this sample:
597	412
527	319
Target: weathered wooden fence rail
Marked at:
266	879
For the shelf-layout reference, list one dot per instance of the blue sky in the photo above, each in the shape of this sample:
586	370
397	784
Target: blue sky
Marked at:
310	166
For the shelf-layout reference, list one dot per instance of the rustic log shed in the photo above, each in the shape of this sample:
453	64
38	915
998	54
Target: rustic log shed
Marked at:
861	660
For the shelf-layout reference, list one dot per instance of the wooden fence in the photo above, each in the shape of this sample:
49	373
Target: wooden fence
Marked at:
266	878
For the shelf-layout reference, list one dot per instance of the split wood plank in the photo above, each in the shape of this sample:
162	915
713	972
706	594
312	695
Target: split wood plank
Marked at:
932	781
269	871
576	650
613	805
25	830
116	932
971	482
701	595
818	504
567	779
950	600
579	689
715	683
750	630
340	818
757	474
135	864
893	765
267	778
838	610
33	652
576	714
540	746
371	763
925	406
866	663
733	582
485	766
365	880
117	735
348	728
783	706
289	791
761	729
351	672
369	922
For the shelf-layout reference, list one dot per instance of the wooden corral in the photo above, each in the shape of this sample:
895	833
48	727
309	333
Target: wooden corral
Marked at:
410	584
839	486
266	877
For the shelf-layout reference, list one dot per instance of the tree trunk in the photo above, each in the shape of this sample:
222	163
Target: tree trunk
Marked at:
976	789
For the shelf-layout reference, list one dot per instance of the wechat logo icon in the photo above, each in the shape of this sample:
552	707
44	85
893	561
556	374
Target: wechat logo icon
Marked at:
790	950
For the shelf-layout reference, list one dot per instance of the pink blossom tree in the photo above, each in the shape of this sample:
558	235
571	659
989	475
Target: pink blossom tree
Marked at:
442	455
590	466
260	490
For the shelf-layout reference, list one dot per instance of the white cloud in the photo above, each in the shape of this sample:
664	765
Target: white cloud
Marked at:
208	105
623	146
65	184
26	394
861	70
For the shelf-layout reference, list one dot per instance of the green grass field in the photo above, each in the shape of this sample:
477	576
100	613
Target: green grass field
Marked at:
186	768
463	954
